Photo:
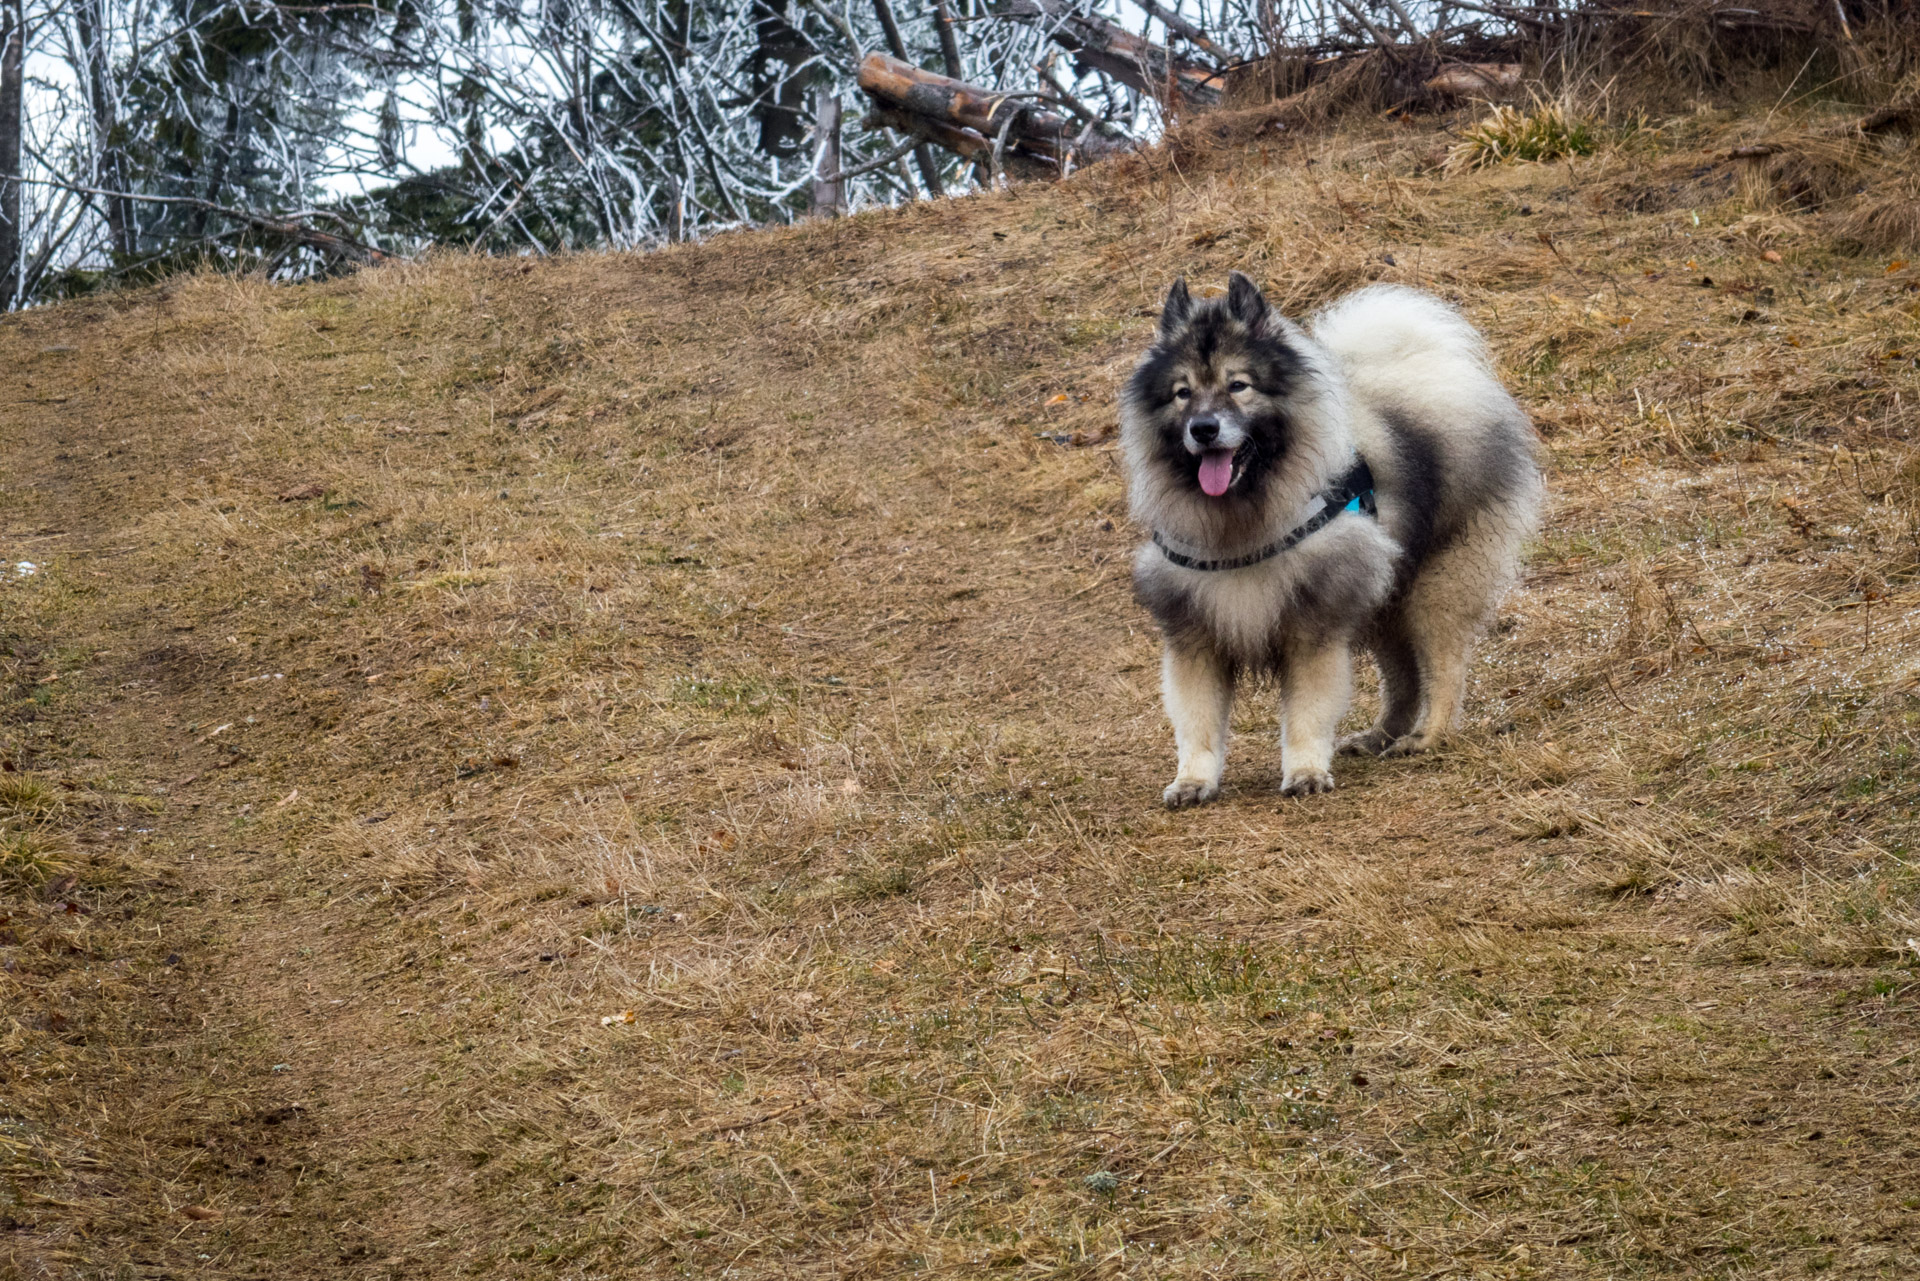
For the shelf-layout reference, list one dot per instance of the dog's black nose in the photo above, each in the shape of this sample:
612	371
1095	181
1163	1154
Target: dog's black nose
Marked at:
1205	429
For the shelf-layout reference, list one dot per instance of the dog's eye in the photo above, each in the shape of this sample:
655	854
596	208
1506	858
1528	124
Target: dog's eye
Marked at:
1237	386
1182	393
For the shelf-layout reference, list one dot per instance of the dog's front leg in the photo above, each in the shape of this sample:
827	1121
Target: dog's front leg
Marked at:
1316	685
1198	689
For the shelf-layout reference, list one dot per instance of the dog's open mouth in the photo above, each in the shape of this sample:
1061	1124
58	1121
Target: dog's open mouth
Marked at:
1218	470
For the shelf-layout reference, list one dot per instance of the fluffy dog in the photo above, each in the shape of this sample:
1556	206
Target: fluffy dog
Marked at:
1364	481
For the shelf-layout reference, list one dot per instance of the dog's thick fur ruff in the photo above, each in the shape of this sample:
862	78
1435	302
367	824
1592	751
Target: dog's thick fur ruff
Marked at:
1391	374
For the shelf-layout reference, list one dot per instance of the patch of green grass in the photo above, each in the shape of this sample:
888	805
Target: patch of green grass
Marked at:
738	694
1091	332
1206	972
881	883
1551	131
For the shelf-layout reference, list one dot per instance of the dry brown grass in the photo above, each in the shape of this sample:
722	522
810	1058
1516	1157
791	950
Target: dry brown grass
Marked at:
680	800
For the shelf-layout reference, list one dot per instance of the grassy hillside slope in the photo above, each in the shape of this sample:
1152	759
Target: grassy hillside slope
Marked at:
647	766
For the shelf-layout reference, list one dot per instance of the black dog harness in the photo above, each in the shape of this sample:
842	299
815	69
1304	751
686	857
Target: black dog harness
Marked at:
1352	492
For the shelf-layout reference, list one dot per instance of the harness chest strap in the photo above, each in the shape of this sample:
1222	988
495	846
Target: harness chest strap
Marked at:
1352	492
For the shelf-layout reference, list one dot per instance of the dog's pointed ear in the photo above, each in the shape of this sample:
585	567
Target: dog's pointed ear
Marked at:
1245	302
1178	307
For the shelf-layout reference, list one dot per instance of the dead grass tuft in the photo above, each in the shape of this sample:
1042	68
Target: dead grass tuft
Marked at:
23	796
1550	131
1807	173
1887	221
28	860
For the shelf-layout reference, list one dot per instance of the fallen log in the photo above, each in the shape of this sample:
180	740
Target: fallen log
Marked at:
971	122
965	143
1099	45
1900	116
1464	79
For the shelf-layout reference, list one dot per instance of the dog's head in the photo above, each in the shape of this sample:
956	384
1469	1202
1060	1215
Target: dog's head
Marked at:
1209	400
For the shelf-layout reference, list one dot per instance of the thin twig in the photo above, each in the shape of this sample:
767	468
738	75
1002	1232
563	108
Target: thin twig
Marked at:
1607	678
870	166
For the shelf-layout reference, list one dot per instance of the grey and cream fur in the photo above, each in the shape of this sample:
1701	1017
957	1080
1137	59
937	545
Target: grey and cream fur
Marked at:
1232	424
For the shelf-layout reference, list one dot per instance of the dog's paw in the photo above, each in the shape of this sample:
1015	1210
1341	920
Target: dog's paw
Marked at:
1367	743
1409	745
1306	782
1183	793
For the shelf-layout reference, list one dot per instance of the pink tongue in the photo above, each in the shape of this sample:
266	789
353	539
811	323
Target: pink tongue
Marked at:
1216	471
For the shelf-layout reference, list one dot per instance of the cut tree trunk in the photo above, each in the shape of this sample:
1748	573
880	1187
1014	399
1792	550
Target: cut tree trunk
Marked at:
829	189
1099	45
971	121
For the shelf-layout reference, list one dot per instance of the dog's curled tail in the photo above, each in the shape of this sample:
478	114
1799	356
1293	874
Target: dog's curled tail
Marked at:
1383	326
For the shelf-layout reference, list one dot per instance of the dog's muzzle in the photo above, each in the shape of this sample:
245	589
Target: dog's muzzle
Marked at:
1218	444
